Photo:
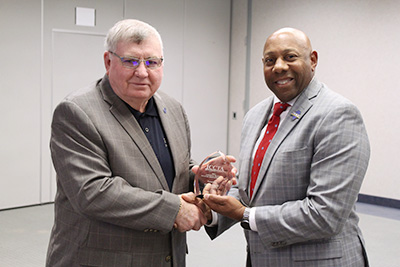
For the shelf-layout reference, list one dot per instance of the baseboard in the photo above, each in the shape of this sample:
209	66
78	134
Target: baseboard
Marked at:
380	201
27	206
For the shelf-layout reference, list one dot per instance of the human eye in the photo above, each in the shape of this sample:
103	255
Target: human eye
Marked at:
268	61
153	62
291	57
130	62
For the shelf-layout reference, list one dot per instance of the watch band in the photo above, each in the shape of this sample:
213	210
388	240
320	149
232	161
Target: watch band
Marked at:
245	220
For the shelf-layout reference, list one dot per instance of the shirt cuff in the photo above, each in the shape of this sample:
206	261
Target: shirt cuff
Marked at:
252	220
214	220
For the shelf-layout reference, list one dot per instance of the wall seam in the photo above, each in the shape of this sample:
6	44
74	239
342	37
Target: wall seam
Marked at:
246	103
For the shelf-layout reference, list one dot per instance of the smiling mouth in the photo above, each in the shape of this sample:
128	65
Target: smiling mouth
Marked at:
284	81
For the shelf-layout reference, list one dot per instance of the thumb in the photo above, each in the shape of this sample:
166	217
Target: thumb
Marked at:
216	199
189	197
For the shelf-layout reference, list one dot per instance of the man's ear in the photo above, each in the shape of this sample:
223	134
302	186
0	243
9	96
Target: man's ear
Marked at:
107	61
314	60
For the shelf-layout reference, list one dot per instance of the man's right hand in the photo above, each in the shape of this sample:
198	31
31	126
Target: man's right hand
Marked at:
190	217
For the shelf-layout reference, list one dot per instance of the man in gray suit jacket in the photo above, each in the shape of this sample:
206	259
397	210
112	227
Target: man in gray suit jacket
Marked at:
302	210
121	151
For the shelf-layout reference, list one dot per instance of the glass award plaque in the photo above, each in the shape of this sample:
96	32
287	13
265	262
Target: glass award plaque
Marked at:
210	169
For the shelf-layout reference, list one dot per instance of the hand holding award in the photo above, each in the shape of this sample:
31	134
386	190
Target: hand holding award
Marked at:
215	169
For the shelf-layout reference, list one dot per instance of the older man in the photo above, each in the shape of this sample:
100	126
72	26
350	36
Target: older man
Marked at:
303	156
121	151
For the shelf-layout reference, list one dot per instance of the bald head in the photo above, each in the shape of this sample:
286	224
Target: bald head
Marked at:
289	63
302	40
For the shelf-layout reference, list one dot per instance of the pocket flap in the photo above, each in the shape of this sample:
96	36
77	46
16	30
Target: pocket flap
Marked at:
329	249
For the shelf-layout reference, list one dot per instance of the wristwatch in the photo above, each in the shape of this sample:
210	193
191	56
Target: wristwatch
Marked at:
245	220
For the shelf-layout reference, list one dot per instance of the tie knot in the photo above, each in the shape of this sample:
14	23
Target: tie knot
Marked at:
279	108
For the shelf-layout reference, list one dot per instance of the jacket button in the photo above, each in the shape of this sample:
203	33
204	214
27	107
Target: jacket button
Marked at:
168	258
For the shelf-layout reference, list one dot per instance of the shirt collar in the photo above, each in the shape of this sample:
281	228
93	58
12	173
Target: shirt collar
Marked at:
151	110
291	102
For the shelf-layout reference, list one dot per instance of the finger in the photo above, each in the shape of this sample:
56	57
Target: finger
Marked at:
219	185
234	181
213	189
195	169
203	219
179	228
197	227
202	206
231	158
182	230
199	222
189	197
218	181
221	188
234	171
228	187
207	212
206	189
199	204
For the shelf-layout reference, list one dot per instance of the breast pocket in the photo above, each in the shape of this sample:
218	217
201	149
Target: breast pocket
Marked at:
300	156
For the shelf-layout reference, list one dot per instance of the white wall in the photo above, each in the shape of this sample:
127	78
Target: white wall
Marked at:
45	56
20	102
356	40
357	43
238	78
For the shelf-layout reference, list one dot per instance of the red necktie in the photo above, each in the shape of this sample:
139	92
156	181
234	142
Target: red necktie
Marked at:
272	127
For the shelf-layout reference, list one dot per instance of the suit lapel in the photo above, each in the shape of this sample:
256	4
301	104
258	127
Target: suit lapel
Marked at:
165	114
122	114
299	109
251	133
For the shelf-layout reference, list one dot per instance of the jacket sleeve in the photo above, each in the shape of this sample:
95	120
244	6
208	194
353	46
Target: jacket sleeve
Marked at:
337	159
90	185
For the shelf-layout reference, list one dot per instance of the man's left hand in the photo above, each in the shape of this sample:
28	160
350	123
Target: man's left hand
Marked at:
225	205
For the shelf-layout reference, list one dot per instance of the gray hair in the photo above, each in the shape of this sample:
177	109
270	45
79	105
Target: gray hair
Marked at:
130	30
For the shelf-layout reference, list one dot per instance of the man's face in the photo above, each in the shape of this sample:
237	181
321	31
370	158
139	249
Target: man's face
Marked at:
289	64
135	86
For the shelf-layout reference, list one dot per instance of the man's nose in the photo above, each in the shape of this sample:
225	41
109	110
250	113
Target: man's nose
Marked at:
141	70
280	65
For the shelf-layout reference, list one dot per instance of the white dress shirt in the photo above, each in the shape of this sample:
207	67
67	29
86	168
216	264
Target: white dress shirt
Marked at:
252	216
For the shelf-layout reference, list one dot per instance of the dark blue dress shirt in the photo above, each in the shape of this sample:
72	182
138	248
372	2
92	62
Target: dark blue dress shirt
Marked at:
150	123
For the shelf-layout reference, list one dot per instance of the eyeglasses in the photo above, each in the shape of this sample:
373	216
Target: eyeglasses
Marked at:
133	63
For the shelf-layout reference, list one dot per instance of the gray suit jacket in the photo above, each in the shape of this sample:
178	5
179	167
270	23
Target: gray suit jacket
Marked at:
113	206
308	184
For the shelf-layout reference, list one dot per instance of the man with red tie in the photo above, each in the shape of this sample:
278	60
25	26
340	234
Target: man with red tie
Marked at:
301	166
